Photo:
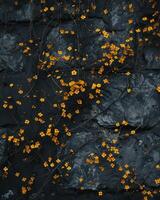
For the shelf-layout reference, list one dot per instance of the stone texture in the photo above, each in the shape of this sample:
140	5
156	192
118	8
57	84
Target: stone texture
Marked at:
37	26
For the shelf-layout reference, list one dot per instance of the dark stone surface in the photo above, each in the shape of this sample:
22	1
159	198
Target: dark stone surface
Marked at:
112	35
3	149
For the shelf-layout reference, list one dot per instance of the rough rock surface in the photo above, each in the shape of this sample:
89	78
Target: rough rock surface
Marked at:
2	149
112	148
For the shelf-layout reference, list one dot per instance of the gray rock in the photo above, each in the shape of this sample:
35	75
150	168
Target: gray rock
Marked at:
9	51
25	20
2	146
7	195
137	107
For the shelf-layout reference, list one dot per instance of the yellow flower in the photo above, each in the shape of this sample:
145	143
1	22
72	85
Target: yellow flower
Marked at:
20	91
60	52
117	124
144	18
45	9
97	30
94	86
45	164
105	11
69	48
130	21
17	174
100	193
138	30
129	90
27	121
126	187
103	155
133	132
24	190
42	100
158	89
83	17
74	72
52	8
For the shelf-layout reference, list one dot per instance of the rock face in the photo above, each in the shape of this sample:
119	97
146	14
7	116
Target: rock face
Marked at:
80	99
2	149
